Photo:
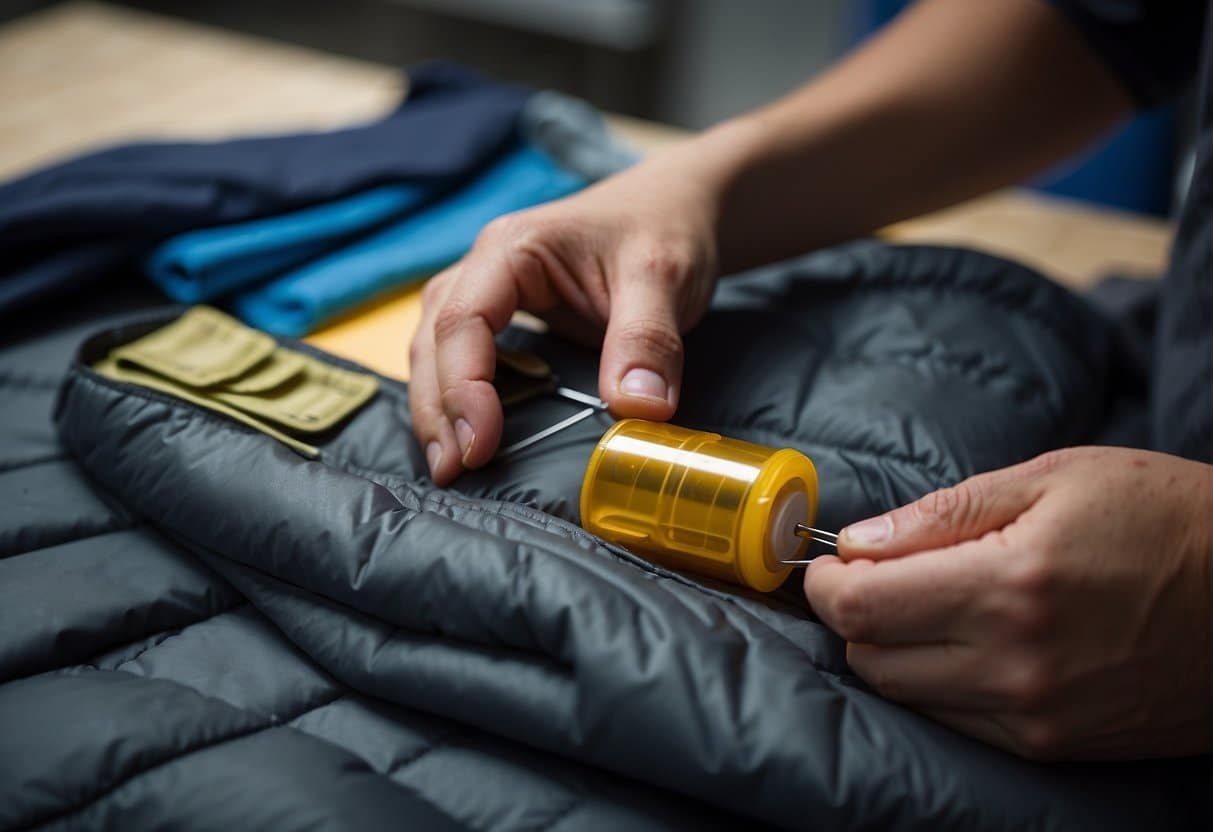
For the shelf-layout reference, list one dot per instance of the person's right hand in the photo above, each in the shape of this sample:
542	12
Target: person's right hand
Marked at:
629	263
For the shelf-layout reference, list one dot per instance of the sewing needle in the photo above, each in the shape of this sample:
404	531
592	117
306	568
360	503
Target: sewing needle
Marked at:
817	536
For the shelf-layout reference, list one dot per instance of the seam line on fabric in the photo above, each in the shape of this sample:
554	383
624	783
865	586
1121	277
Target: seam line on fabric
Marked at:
986	289
576	803
106	792
530	656
32	463
171	632
110	528
443	741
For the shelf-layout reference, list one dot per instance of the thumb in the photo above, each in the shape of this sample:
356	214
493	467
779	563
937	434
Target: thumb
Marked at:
943	518
641	370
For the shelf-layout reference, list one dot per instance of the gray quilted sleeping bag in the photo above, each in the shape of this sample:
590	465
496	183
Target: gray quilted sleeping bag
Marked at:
205	630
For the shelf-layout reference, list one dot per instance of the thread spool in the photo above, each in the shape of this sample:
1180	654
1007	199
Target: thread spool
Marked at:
700	501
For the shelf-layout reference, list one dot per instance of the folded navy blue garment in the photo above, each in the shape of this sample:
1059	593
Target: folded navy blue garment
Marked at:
453	122
23	282
414	248
202	265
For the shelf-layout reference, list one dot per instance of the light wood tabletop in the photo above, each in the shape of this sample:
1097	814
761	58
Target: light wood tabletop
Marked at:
81	75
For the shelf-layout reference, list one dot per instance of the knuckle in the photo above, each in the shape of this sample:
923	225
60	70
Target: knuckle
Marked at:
499	229
652	338
1032	574
1030	622
1040	739
427	417
456	397
449	399
450	318
668	262
516	230
1028	687
852	614
885	683
957	507
949	506
1026	607
1050	461
431	292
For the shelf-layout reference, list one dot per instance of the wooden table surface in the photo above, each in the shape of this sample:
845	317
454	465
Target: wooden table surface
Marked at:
83	74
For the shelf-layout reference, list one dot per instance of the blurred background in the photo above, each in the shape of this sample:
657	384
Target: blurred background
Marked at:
687	63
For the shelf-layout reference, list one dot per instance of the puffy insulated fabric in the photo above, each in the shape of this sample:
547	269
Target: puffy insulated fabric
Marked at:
338	643
140	690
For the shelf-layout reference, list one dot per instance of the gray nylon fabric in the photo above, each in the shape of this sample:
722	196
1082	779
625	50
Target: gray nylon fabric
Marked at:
337	642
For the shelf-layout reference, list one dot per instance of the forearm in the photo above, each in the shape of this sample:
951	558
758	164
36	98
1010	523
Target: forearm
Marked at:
954	99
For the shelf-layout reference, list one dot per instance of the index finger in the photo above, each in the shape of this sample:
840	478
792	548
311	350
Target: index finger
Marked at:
925	598
477	307
434	433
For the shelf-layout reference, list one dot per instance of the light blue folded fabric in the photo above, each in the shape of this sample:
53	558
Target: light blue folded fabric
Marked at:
413	248
202	265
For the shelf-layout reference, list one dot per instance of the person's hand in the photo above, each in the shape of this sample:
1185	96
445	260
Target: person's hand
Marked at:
1058	609
629	263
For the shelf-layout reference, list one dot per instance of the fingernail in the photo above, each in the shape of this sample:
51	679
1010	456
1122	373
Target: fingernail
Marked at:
465	436
868	532
644	384
433	456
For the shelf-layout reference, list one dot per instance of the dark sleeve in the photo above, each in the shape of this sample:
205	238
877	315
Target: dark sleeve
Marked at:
1153	46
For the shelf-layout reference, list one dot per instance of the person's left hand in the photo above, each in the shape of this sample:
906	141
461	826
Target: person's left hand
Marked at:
1059	609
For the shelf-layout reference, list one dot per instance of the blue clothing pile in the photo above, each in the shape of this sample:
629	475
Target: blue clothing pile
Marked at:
290	230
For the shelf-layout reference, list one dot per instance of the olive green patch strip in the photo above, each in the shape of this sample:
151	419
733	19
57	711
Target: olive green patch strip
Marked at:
110	368
315	400
282	366
201	348
212	360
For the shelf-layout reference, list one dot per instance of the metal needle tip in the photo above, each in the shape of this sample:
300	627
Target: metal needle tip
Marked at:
522	444
817	536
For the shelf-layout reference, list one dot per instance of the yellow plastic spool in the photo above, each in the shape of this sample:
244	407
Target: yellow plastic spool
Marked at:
700	501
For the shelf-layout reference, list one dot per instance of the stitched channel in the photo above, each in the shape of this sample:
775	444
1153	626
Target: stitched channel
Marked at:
108	790
31	463
114	525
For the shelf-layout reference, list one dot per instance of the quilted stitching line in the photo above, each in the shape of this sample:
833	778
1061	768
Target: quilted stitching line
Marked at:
169	635
975	370
993	291
442	741
107	791
563	814
114	525
31	463
154	640
534	656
